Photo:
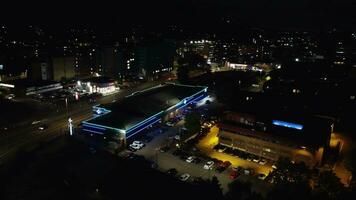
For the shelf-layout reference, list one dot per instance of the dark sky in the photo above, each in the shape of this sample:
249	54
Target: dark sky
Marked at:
207	13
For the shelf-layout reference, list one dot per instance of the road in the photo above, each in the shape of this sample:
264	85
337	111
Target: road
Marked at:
26	135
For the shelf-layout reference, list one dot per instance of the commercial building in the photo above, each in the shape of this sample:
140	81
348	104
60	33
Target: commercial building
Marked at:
102	85
26	87
140	110
302	141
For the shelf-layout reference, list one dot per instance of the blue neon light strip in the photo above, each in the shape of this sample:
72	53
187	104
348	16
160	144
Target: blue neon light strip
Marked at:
287	124
144	121
199	98
95	127
128	135
93	131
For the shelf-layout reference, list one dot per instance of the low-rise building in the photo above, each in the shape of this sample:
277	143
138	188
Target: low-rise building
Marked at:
304	141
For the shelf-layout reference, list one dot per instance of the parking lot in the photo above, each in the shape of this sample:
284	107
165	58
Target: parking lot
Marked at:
169	157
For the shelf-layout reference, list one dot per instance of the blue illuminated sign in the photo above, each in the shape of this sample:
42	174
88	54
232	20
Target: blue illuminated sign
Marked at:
287	124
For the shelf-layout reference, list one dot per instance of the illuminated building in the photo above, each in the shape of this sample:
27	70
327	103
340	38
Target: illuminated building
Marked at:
142	109
301	142
102	85
25	87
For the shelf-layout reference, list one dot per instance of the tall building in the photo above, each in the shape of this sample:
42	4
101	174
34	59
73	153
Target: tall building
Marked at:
110	61
63	68
155	57
41	71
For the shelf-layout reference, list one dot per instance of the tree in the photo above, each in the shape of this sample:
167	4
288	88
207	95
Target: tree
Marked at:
328	183
183	74
192	122
291	191
238	190
291	172
216	186
350	164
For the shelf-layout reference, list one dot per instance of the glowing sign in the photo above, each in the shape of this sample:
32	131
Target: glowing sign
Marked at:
287	124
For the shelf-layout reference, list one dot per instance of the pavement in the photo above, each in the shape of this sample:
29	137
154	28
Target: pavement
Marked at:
167	161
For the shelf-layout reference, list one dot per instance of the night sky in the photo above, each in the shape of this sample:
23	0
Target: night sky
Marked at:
189	13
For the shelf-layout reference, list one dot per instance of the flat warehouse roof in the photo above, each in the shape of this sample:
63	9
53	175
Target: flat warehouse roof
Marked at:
143	104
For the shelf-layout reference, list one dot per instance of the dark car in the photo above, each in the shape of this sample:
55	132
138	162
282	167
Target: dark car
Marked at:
234	174
177	152
220	168
226	164
197	160
164	149
172	172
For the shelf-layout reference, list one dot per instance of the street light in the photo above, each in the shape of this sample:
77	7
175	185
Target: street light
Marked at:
66	100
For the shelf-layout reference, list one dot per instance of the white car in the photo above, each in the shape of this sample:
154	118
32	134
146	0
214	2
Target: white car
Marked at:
256	160
261	176
36	122
169	124
10	96
207	124
177	137
184	177
247	171
209	165
190	159
137	145
262	162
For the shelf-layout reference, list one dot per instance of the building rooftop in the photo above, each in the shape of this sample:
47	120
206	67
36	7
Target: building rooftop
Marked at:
144	104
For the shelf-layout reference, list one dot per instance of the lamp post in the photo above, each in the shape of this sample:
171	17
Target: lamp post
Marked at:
70	125
66	100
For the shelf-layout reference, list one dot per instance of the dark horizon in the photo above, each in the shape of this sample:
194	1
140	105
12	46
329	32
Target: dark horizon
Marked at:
189	14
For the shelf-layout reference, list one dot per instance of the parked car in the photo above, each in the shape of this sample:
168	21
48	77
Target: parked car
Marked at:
256	160
10	96
136	145
172	172
177	137
261	176
36	122
169	124
190	159
164	149
220	168
184	177
248	171
262	162
234	174
209	165
42	127
226	164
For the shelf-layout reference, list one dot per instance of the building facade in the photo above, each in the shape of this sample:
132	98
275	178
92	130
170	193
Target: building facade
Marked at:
244	134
